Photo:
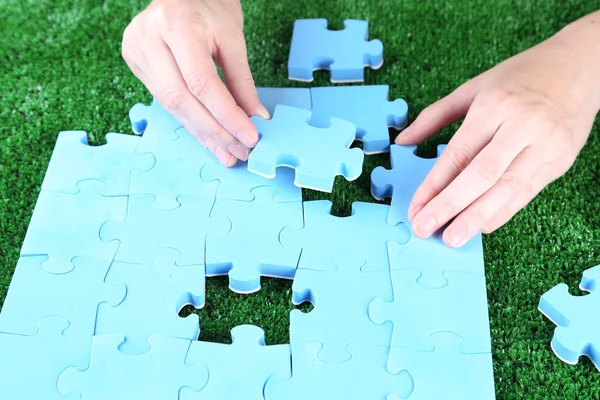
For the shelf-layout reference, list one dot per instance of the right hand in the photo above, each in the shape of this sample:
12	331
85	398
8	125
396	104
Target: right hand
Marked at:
172	47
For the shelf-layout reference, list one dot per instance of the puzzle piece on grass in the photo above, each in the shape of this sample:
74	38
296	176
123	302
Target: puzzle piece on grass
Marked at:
317	154
30	365
252	247
578	326
63	227
446	373
402	181
344	52
363	235
365	106
341	301
74	160
417	312
239	371
34	294
144	313
293	97
363	377
433	258
159	374
153	121
236	183
147	229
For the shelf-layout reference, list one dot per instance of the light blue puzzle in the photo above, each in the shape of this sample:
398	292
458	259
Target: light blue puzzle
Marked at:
367	107
159	374
144	313
252	249
364	235
317	154
63	227
239	371
153	121
578	326
74	160
446	373
402	181
74	296
363	377
293	97
147	229
341	314
344	52
30	365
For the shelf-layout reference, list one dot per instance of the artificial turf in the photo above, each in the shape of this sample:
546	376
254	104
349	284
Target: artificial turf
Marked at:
61	69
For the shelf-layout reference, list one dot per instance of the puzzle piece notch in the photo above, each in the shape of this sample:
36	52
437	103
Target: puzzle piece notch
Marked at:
153	121
577	331
74	160
294	97
239	371
143	313
344	52
402	181
317	154
115	375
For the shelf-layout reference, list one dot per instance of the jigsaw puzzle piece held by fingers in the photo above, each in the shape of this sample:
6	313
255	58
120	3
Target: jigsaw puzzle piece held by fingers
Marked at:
578	326
293	97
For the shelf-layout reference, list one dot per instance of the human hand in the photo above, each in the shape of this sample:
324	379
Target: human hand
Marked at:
172	47
525	122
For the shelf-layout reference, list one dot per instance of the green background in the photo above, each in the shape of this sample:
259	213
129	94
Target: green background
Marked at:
61	69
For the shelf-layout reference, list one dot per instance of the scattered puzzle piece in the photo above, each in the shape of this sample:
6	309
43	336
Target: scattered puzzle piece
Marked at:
363	235
344	52
143	313
254	236
365	106
293	97
147	229
402	181
63	227
317	154
340	317
73	160
153	121
239	371
578	326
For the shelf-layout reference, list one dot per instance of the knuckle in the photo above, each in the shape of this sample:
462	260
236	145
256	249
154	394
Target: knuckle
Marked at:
488	168
199	85
512	180
458	158
173	99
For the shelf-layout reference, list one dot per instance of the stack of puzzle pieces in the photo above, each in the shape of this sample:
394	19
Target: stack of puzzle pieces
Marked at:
124	235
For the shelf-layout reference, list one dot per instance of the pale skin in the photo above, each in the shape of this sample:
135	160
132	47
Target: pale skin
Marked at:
525	120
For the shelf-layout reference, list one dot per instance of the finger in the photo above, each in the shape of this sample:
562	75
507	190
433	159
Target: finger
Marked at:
439	115
200	75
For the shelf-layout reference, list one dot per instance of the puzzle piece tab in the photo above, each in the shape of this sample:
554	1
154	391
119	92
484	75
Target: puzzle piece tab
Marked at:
239	371
577	319
293	97
344	52
153	121
365	106
317	154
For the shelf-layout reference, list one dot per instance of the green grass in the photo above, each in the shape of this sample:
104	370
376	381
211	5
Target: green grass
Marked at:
61	70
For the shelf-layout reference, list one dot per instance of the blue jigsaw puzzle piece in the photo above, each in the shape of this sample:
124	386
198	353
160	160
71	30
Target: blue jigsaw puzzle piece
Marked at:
340	317
153	121
459	307
63	227
363	377
73	160
293	97
142	313
30	365
365	106
239	371
236	183
159	374
344	52
317	154
402	181
147	229
446	373
254	236
363	235
578	326
74	296
433	258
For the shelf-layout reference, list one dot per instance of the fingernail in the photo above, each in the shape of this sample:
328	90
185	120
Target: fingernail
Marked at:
457	235
224	157
240	152
415	211
425	226
262	112
248	139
